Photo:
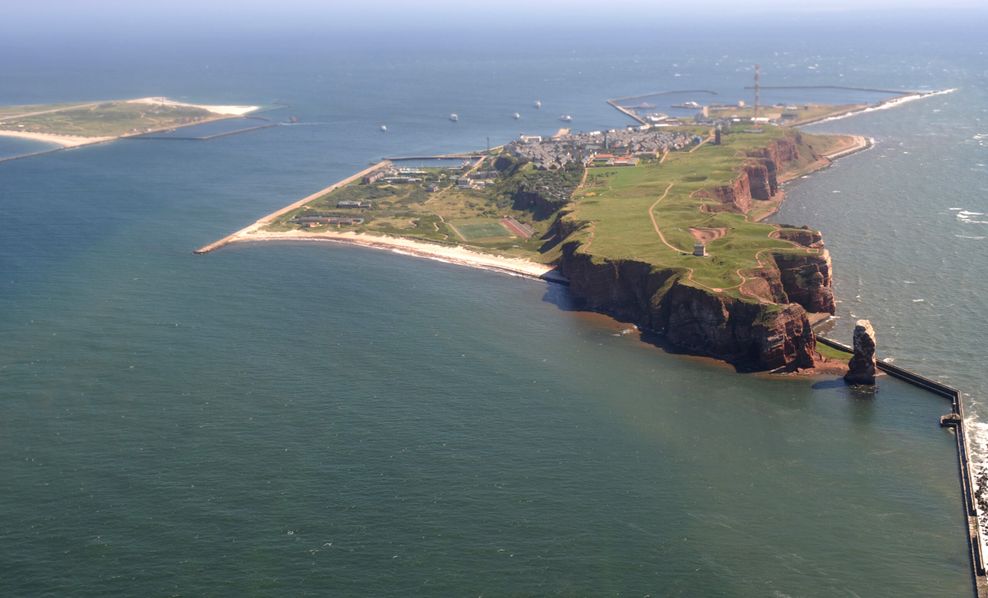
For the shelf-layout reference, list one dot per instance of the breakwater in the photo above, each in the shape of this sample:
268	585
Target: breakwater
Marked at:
625	111
264	124
839	87
662	93
954	419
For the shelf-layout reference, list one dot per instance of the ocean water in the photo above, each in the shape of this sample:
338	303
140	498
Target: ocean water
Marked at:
302	420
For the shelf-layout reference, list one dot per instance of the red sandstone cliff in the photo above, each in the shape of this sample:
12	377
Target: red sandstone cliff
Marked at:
750	334
774	334
759	176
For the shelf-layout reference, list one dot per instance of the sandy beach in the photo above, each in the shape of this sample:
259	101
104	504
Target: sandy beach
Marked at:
64	141
226	110
448	254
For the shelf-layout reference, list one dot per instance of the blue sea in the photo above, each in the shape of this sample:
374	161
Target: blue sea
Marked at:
280	419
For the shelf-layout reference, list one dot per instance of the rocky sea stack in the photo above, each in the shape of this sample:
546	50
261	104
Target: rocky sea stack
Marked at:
862	366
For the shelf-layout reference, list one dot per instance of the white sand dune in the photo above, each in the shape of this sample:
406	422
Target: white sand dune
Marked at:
229	110
60	140
449	254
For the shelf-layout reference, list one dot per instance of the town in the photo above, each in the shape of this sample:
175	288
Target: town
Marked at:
615	147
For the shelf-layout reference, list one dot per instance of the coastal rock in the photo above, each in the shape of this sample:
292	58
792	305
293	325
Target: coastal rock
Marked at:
807	280
759	177
750	335
862	366
760	184
803	235
735	197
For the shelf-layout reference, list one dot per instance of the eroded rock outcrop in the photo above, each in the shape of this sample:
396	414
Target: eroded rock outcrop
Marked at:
759	176
752	335
862	367
803	235
807	279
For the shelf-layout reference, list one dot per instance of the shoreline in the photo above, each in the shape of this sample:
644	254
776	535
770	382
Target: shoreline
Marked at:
62	141
883	105
453	254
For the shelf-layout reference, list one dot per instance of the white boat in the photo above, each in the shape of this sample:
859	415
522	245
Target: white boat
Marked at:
516	116
454	117
384	128
566	118
538	103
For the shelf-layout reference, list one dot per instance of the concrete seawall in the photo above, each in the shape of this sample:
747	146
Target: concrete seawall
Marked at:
954	419
627	112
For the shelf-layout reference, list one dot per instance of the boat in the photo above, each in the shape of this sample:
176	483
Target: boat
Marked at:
516	116
691	105
384	128
538	104
454	117
566	118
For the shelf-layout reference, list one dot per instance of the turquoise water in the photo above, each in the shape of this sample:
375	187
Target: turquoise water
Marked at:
279	419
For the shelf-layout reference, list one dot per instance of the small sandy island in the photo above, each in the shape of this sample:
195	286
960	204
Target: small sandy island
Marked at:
218	112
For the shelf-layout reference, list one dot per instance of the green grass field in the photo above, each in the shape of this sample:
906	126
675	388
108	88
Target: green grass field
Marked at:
622	202
481	229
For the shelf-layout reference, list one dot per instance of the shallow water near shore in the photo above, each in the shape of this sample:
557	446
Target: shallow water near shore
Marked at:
330	420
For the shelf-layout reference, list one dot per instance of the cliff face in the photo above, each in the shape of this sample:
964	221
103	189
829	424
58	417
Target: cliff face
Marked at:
759	177
771	334
806	280
736	196
751	335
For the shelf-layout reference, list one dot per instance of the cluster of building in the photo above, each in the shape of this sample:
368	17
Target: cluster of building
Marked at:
395	176
313	220
478	179
617	147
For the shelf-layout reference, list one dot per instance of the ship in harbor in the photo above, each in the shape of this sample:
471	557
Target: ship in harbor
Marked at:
566	118
690	105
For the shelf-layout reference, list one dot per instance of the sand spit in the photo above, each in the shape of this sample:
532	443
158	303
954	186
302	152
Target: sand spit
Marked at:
64	141
887	104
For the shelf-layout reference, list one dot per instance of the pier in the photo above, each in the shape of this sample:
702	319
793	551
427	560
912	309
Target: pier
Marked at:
955	419
629	113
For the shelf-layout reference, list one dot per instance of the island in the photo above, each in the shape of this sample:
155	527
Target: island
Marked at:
659	225
87	123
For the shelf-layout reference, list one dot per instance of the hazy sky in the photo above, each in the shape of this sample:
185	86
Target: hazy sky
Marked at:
350	15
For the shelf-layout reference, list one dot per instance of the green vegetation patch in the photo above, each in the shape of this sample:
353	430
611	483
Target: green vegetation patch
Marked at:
106	119
481	229
645	213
